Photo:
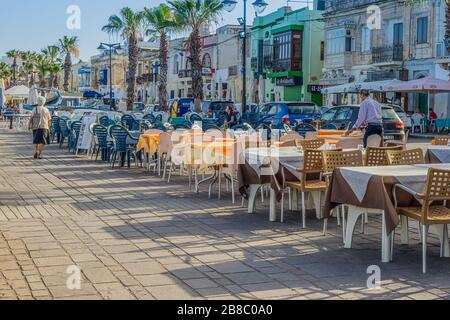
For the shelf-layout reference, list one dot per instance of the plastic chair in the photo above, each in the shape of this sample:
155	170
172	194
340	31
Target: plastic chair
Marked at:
303	128
120	148
75	129
102	144
195	117
54	129
149	117
64	130
329	126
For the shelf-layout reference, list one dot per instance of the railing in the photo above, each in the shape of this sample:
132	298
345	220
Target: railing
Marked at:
387	75
188	73
387	54
285	65
442	50
340	5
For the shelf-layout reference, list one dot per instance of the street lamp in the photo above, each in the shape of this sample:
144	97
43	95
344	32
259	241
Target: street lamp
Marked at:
259	6
110	48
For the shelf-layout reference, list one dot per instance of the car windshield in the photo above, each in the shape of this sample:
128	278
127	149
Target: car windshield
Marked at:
329	115
269	109
389	114
301	108
218	106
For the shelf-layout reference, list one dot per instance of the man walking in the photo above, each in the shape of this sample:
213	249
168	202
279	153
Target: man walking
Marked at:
370	115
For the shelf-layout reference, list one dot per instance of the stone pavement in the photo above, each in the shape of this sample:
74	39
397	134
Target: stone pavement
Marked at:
136	237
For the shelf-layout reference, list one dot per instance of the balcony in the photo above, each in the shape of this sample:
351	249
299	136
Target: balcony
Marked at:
387	54
144	78
187	73
285	65
387	75
346	5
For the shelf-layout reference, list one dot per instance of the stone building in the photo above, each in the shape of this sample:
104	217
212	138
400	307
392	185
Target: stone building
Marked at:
369	40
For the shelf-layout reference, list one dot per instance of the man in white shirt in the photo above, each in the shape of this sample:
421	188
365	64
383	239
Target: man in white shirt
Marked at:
370	115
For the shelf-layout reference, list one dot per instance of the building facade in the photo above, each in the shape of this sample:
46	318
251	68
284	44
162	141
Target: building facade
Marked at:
369	40
287	55
80	77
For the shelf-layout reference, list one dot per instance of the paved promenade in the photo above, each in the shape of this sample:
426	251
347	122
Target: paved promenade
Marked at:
133	236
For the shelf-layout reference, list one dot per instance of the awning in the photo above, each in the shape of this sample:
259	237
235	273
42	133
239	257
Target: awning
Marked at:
355	87
18	92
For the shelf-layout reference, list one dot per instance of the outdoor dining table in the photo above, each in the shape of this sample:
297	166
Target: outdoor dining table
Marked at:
212	154
269	166
438	154
362	188
149	143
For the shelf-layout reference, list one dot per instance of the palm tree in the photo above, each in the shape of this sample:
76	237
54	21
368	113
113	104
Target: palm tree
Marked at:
161	21
129	25
68	46
5	71
193	14
14	54
29	65
55	67
43	65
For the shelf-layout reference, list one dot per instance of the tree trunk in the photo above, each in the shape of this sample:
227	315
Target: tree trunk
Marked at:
133	52
67	69
195	47
163	64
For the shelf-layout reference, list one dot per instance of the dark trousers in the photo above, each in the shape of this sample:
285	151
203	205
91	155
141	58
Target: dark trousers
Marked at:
373	129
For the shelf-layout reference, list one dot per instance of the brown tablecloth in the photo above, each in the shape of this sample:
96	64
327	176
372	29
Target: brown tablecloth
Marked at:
437	156
378	196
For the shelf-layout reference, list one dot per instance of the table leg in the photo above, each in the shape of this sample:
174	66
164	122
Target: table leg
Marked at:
253	190
385	242
442	232
273	206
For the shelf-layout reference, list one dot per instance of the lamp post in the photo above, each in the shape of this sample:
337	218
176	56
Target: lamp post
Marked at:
259	6
110	48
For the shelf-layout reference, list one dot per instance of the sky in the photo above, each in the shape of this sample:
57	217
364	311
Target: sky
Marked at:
34	24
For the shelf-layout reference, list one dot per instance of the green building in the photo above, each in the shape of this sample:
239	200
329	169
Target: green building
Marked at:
287	55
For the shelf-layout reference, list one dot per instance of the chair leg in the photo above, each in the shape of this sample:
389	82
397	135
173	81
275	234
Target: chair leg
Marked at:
325	226
343	222
232	191
444	240
303	210
424	248
404	229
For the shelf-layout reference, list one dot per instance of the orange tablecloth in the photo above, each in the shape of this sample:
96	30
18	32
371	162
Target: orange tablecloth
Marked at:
330	133
149	143
213	153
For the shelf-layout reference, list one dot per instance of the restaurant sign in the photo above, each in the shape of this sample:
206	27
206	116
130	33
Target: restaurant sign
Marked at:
315	88
289	81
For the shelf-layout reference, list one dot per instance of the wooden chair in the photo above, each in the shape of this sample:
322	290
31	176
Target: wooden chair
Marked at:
405	157
432	212
338	159
312	166
378	156
440	141
310	144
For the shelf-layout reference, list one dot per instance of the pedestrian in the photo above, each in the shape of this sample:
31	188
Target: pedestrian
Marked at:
433	115
370	116
230	116
40	124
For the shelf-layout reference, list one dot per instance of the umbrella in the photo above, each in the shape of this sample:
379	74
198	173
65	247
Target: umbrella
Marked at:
379	86
19	92
352	87
428	84
32	96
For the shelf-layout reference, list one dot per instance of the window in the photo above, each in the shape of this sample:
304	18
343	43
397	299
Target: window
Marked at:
365	39
176	64
322	50
206	61
344	114
270	109
422	30
282	46
301	108
329	115
348	41
335	41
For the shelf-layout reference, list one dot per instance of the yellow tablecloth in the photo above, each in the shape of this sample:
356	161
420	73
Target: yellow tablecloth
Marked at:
149	143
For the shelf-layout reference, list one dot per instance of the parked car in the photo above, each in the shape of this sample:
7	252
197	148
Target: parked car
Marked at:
179	107
215	106
288	112
151	108
138	107
345	116
403	116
